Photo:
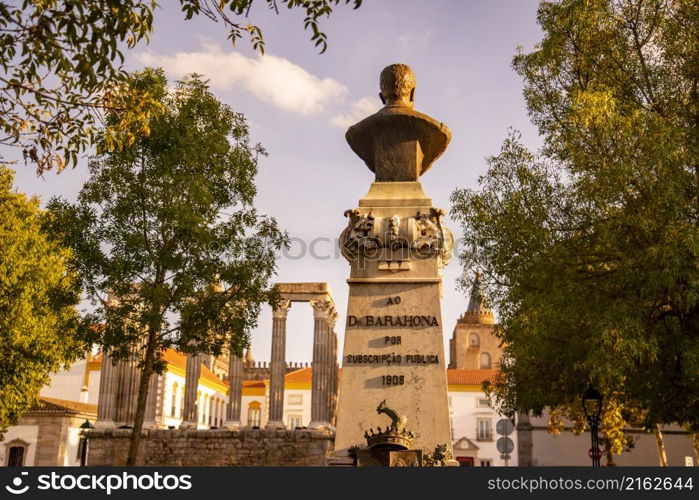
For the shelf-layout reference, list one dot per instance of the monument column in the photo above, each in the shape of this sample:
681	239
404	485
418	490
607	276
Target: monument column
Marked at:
397	245
278	365
190	418
105	401
322	312
235	392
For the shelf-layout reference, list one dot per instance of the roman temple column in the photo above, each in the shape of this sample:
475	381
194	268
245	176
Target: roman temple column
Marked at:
190	419
322	313
278	365
235	392
105	401
333	368
149	419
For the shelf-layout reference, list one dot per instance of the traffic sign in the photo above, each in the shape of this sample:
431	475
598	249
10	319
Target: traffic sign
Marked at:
506	456
504	427
505	445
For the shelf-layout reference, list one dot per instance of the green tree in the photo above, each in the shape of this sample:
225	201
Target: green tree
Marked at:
590	248
167	227
61	68
40	329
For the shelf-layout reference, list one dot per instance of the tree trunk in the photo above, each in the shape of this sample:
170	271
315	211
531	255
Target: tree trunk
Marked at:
146	373
608	455
662	456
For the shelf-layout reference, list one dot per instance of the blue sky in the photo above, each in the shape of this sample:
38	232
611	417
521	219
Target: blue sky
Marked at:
299	104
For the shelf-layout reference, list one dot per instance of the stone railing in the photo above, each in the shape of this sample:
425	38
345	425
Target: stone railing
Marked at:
245	447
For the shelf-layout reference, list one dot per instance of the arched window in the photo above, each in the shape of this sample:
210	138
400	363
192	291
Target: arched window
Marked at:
485	360
16	453
254	414
474	340
173	403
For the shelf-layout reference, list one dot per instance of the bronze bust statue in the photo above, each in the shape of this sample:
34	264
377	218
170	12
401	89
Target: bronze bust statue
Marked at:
397	143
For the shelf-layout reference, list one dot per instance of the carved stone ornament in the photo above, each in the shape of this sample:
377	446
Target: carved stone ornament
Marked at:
432	236
358	235
397	436
322	308
282	309
394	239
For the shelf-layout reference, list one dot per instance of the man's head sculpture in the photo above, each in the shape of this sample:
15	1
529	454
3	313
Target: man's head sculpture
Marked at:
397	83
397	143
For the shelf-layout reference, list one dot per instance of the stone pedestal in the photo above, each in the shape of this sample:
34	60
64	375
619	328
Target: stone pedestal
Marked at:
393	339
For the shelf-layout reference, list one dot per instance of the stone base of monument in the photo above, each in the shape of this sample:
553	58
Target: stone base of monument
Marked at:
389	458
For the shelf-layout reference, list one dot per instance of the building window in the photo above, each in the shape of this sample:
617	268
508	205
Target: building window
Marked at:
295	421
483	432
485	463
295	399
474	340
16	452
485	360
173	402
254	414
483	403
16	456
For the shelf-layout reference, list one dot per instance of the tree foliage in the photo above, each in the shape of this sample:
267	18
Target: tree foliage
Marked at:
166	237
590	248
61	68
40	329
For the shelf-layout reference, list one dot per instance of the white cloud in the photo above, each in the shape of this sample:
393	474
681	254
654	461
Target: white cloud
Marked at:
412	39
360	109
272	79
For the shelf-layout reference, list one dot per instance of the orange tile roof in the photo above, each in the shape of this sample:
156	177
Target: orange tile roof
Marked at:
302	375
55	405
253	383
455	377
470	377
176	358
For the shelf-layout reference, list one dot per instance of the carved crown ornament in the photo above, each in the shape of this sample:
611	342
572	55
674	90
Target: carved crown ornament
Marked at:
422	236
394	436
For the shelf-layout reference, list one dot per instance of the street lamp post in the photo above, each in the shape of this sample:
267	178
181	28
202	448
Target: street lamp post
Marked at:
84	427
592	406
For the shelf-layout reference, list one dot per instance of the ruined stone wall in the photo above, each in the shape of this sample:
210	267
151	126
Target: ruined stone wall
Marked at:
246	447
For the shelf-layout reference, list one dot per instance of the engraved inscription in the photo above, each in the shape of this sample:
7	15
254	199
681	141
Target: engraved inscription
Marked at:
413	321
393	379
